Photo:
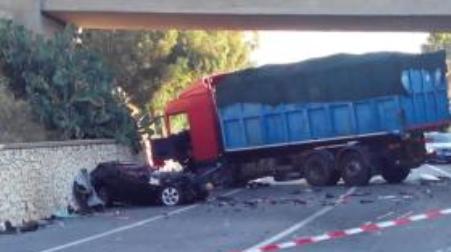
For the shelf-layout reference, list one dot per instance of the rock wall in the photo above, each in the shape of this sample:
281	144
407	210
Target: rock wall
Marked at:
36	179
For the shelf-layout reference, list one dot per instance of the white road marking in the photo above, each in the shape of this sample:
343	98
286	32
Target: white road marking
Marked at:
300	224
447	174
129	226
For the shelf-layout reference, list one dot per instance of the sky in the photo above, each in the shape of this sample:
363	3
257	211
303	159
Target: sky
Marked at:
286	46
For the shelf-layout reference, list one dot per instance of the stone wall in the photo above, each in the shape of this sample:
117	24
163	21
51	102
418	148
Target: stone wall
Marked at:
36	179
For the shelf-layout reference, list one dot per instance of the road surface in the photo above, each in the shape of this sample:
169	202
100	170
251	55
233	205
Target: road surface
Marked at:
265	218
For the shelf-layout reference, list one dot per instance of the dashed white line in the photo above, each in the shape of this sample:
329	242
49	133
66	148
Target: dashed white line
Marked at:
300	224
128	227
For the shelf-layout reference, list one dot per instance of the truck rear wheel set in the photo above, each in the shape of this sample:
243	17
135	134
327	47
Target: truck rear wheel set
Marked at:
355	166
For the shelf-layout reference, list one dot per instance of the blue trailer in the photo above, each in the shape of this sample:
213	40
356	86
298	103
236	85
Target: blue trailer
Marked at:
249	126
349	138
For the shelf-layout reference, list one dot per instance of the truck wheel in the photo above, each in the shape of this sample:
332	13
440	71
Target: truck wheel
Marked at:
334	178
354	168
319	169
394	175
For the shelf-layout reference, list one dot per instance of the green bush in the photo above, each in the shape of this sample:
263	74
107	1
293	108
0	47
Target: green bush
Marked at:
69	87
17	122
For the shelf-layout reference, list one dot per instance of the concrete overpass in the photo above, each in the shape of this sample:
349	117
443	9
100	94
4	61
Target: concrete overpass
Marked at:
400	15
393	15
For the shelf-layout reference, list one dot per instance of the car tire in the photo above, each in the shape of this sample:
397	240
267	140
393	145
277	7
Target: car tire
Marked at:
105	196
354	168
394	175
319	169
171	196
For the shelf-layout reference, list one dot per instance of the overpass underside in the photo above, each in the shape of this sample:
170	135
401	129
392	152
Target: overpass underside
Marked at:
364	15
117	20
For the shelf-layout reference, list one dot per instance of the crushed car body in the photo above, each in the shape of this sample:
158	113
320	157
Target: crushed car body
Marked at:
139	184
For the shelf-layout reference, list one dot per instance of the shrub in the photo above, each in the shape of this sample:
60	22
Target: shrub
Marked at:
69	87
17	122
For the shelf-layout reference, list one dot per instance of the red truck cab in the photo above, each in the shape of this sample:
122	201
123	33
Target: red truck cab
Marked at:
200	141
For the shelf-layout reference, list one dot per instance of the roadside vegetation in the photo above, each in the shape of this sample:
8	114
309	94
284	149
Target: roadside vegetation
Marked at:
98	84
69	88
17	121
153	67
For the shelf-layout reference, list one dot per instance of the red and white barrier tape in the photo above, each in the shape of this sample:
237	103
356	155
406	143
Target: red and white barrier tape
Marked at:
366	228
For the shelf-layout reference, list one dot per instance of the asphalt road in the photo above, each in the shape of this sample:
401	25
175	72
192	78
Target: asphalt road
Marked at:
254	217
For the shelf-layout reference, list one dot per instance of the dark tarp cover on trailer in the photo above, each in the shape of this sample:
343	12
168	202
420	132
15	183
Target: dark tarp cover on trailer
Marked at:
341	77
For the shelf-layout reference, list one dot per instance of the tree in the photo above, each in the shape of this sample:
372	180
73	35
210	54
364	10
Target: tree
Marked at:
438	41
153	67
69	87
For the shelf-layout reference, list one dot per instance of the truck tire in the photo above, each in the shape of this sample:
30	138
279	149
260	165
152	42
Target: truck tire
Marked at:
235	178
319	169
334	178
354	168
394	175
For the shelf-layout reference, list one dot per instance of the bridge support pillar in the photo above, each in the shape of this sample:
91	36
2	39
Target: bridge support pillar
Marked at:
28	13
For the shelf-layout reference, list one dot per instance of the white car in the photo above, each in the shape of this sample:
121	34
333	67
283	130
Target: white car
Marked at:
438	146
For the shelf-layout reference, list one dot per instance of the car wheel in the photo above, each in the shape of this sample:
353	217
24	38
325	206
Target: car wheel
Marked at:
104	195
355	171
170	196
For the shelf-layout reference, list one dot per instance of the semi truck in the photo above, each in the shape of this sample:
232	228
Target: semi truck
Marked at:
343	116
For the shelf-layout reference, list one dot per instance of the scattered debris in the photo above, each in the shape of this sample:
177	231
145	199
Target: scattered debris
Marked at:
296	192
428	192
299	201
43	223
84	193
366	201
8	228
360	194
29	226
251	203
257	184
387	197
329	196
64	213
222	201
328	203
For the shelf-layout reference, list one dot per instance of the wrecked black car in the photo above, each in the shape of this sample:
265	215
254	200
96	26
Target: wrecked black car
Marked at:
138	184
